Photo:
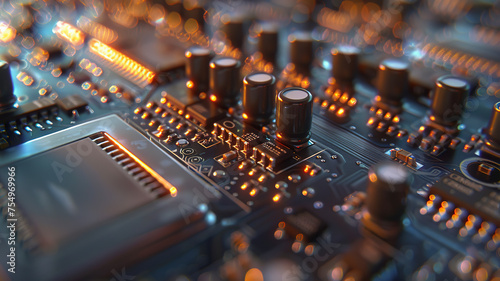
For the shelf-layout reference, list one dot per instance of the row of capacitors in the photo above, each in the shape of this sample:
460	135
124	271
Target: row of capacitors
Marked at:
448	98
220	77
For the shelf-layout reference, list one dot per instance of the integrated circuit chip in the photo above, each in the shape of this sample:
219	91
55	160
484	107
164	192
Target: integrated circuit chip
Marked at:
470	195
68	195
270	154
304	223
73	102
203	115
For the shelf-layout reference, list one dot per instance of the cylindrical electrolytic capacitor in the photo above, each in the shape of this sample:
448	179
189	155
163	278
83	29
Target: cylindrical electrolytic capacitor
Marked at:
448	100
493	129
294	116
301	49
197	67
232	27
225	81
392	81
388	185
7	97
345	62
259	94
268	41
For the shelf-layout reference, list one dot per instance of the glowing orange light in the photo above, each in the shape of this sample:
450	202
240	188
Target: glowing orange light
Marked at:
69	33
122	64
137	110
245	116
253	192
344	98
188	54
244	186
254	274
352	102
336	95
145	115
261	178
158	110
341	112
371	121
189	84
7	33
306	168
276	198
299	237
160	179
395	119
163	100
213	98
149	105
151	123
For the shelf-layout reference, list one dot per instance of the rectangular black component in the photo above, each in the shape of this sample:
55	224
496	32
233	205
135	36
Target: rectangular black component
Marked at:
177	95
304	223
29	109
270	154
73	102
203	115
241	136
477	199
62	194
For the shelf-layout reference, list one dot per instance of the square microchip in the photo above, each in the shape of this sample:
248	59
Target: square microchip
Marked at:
71	189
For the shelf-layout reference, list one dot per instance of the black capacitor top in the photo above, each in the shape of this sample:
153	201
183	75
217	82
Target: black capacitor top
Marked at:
493	129
345	62
388	186
448	100
259	94
197	66
225	81
7	97
301	49
268	41
294	116
392	81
